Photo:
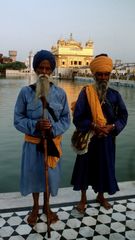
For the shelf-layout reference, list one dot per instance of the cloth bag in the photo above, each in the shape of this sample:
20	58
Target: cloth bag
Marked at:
80	141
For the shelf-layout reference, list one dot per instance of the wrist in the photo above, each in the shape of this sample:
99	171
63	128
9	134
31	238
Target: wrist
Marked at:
94	125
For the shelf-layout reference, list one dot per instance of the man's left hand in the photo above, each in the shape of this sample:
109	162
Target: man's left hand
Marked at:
105	130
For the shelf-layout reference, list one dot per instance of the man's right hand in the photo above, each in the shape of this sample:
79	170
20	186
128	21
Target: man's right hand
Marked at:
43	124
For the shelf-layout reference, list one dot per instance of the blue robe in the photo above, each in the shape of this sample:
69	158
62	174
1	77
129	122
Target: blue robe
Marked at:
27	112
97	167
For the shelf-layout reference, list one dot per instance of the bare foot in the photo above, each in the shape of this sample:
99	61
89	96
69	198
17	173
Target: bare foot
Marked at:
32	218
104	202
81	207
53	216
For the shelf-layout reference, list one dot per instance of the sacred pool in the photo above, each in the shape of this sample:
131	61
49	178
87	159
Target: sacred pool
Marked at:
11	140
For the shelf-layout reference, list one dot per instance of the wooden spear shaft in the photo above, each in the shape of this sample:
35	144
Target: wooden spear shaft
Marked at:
47	188
46	175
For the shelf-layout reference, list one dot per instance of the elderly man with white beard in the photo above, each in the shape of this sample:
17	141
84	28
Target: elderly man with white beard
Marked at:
28	119
100	110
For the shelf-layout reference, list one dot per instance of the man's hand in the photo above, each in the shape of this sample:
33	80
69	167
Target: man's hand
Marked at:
43	125
108	128
104	130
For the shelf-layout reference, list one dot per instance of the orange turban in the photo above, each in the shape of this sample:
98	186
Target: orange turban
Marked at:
101	64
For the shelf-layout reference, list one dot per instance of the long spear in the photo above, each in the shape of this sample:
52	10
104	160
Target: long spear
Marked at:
46	173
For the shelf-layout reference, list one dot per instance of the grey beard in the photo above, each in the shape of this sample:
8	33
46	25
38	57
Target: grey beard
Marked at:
42	86
101	87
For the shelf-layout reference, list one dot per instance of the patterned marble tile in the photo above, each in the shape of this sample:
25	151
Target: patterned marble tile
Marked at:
96	223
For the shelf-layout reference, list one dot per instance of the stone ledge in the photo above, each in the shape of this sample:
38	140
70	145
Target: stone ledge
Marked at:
65	195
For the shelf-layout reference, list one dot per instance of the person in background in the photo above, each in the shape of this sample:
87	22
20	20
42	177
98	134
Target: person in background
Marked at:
101	110
28	119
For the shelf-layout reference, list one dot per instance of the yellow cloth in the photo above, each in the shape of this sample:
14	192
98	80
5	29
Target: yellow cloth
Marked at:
52	161
95	105
101	64
31	139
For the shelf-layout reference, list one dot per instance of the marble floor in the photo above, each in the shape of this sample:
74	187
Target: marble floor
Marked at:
96	223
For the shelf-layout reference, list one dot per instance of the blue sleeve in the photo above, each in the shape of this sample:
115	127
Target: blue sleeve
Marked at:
82	115
21	121
121	115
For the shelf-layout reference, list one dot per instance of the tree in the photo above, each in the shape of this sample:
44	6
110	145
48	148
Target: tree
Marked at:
14	65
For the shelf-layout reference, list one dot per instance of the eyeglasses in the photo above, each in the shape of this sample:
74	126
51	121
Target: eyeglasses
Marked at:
102	74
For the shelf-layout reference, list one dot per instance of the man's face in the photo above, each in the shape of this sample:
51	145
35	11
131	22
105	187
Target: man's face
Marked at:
44	68
102	76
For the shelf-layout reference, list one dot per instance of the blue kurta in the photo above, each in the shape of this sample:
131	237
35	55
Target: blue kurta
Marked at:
27	112
97	167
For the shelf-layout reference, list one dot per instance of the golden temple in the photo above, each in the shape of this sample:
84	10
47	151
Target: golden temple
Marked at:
71	57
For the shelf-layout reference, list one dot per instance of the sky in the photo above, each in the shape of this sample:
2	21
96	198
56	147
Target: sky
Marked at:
32	25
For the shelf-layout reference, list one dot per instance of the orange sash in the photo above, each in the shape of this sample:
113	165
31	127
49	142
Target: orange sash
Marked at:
95	106
52	161
94	103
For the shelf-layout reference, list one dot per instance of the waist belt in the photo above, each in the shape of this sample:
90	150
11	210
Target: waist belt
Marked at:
52	160
32	139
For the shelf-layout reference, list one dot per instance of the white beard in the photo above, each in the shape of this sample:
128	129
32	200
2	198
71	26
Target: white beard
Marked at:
101	88
43	86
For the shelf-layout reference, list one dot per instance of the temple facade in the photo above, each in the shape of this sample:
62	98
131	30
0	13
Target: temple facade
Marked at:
71	57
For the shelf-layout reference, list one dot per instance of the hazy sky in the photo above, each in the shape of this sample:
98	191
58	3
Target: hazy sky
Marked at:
37	24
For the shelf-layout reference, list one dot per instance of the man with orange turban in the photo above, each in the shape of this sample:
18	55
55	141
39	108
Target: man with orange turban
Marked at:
100	110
